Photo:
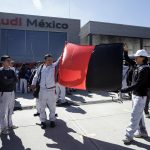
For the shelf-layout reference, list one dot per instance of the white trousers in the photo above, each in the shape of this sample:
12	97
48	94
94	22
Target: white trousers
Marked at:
60	92
23	85
37	105
7	102
124	85
137	119
47	97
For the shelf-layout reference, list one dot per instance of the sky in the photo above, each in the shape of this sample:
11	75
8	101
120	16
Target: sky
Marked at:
130	12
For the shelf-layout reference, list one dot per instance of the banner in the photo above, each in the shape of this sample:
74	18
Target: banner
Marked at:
92	67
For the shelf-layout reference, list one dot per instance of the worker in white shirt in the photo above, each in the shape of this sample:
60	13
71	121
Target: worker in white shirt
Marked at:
30	83
47	94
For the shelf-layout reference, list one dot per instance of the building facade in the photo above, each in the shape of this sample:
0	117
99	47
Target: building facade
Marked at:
94	33
27	38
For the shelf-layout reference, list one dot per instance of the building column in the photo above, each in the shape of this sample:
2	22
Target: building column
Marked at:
90	39
141	43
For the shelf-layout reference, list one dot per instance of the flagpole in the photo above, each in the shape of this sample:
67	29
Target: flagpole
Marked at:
69	8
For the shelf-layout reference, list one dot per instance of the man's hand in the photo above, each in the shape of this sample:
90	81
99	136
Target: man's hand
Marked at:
125	47
32	87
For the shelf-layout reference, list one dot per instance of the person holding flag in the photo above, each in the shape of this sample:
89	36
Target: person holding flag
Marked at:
139	89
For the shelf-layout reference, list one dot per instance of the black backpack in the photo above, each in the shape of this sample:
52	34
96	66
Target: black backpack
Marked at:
37	89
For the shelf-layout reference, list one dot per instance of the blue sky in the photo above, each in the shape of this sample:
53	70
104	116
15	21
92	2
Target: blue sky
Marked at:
131	12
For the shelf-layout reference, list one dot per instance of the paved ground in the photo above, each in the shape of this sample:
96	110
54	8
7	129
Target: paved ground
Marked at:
26	101
95	123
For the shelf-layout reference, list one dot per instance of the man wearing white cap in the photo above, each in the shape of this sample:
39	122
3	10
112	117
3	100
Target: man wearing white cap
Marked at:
139	89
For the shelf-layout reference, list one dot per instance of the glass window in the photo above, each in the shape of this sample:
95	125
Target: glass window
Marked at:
13	43
36	44
30	46
56	43
3	42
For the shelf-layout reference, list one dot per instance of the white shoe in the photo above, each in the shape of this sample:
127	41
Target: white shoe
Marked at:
143	134
5	131
127	140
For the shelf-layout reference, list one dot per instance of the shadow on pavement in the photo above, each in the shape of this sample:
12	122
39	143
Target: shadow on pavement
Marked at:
141	145
12	142
77	98
27	96
104	93
21	99
147	139
17	106
64	141
85	93
75	110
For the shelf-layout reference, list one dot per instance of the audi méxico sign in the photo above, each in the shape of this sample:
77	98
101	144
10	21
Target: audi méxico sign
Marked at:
17	21
41	23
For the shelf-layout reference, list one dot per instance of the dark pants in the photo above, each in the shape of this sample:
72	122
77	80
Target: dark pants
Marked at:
146	106
147	102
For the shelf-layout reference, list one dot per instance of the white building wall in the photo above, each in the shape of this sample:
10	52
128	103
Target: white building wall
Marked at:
146	45
133	43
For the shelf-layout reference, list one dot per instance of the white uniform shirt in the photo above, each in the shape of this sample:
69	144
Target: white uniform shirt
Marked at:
124	76
13	68
47	76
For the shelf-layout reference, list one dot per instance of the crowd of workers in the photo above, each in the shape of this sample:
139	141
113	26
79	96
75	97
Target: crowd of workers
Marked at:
42	80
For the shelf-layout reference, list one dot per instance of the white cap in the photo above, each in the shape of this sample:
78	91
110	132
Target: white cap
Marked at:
141	52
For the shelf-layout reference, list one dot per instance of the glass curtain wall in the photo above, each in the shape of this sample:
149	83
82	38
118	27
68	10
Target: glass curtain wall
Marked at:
31	46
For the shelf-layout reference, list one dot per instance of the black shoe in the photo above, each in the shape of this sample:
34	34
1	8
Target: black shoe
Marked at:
37	114
52	124
43	125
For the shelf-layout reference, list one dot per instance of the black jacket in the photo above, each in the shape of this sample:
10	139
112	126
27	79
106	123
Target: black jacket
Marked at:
140	78
22	72
8	80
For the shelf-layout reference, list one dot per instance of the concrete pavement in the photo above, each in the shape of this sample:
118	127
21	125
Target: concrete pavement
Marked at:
99	126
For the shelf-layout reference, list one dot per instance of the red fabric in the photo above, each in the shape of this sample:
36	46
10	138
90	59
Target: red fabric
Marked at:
73	65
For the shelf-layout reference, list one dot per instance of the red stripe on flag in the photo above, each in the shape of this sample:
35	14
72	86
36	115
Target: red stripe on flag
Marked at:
73	65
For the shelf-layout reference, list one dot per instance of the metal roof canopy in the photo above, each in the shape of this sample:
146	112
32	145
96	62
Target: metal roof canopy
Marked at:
103	28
